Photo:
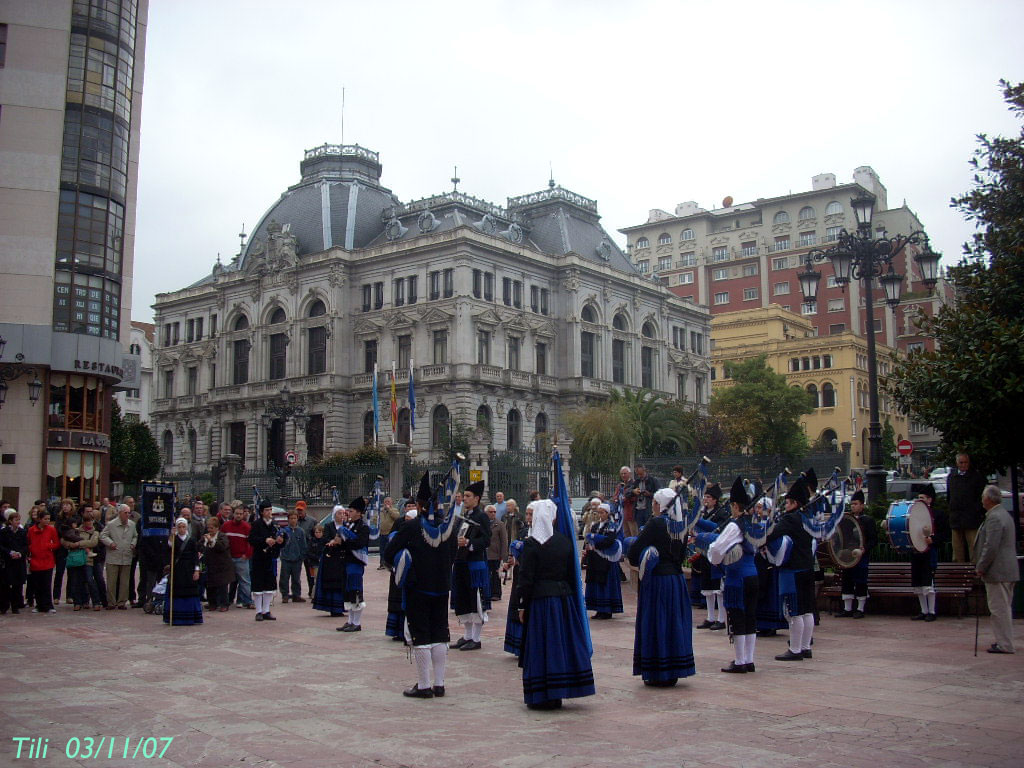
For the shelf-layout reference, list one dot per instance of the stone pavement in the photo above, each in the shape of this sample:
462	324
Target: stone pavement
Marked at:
882	691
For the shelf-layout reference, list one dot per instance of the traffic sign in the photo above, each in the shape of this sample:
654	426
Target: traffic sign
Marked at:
290	457
905	447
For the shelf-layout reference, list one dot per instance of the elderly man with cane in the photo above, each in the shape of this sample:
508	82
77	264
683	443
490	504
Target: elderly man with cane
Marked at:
996	563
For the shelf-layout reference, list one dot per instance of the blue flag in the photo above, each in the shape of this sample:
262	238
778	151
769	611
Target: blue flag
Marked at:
565	524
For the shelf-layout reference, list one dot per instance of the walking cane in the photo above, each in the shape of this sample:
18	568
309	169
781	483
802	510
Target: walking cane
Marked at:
977	618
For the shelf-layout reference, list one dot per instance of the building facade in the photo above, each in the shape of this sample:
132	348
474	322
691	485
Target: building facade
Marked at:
506	318
70	100
136	403
833	369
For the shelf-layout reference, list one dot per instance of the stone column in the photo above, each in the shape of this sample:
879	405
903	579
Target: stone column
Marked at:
232	462
398	455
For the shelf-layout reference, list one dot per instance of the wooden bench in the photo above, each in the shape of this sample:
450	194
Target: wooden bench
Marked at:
884	579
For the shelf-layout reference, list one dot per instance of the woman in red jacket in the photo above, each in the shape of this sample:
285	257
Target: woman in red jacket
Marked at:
42	543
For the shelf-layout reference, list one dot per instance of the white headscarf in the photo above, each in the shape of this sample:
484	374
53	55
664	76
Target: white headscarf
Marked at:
188	528
664	497
544	511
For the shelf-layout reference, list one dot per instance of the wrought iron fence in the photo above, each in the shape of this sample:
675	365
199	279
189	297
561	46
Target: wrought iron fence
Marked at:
189	484
517	473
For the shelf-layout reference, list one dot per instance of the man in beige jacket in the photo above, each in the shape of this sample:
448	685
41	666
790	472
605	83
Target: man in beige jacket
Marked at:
995	550
119	537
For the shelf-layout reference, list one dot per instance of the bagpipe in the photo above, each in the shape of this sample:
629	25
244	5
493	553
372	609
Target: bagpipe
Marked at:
823	511
437	524
373	511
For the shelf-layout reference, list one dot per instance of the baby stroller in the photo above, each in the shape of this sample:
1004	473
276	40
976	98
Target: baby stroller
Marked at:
155	602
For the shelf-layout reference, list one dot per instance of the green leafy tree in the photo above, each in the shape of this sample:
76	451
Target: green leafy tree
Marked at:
134	455
971	389
761	412
657	426
603	439
888	445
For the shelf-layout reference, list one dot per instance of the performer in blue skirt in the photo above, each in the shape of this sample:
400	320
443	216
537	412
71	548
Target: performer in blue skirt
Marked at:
184	590
603	553
395	626
353	540
663	642
329	594
555	658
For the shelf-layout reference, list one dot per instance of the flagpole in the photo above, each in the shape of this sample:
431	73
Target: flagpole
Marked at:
375	406
394	404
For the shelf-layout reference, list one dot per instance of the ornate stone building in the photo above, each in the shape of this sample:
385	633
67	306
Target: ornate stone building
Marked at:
507	317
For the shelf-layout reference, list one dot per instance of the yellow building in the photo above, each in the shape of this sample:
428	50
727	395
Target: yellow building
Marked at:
832	368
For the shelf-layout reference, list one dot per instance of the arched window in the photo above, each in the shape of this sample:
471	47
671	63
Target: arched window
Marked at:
515	429
643	242
833	208
135	349
806	213
665	239
588	315
830	439
781	218
168	447
277	316
483	419
404	433
241	323
812	390
368	431
193	444
828	396
540	433
687	234
648	330
439	426
619	322
317	309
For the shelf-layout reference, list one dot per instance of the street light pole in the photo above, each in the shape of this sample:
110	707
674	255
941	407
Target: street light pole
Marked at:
859	256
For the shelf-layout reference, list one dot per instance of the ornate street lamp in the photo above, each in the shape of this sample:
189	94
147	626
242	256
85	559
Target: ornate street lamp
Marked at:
284	410
15	370
859	256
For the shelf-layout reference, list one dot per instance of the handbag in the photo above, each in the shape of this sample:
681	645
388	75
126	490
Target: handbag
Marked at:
76	558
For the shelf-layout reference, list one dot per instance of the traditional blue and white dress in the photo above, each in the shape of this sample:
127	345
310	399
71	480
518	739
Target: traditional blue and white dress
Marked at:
555	656
332	576
604	552
395	625
663	640
184	591
513	627
355	538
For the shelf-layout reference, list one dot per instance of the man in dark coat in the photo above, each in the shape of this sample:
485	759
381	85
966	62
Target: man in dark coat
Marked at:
471	592
965	510
799	568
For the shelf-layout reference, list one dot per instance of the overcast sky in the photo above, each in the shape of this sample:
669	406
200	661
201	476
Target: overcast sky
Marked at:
636	104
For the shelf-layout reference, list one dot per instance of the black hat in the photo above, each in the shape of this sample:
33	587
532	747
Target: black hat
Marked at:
858	496
926	488
477	488
738	493
358	504
425	493
264	505
811	479
799	491
714	491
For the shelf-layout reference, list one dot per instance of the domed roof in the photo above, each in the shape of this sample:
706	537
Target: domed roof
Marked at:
338	202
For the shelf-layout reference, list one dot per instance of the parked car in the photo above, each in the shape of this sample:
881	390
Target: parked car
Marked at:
938	478
577	503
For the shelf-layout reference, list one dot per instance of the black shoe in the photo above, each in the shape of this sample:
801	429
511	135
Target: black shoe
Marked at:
472	645
344	627
734	667
268	617
844	614
662	683
438	691
997	648
808	654
259	617
284	599
750	667
931	617
546	705
767	633
920	617
397	639
789	656
705	624
298	599
418	693
717	625
337	614
857	615
351	628
459	643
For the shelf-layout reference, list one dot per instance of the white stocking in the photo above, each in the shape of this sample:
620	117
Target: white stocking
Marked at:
847	603
861	602
439	655
751	639
467	630
808	631
796	633
258	598
741	648
421	654
355	616
721	607
922	599
709	598
930	595
476	628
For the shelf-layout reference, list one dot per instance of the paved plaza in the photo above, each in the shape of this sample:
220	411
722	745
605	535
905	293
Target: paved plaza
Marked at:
882	691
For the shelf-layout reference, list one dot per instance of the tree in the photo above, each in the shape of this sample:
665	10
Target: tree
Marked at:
657	427
888	444
134	455
602	438
971	388
760	411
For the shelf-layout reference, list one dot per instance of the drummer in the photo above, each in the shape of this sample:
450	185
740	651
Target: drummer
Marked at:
923	564
855	579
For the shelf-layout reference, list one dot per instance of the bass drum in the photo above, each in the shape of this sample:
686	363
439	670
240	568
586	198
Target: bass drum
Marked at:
909	523
846	547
